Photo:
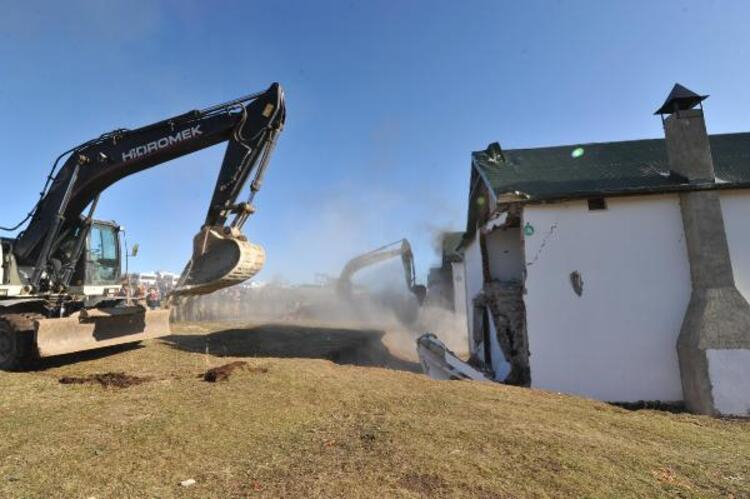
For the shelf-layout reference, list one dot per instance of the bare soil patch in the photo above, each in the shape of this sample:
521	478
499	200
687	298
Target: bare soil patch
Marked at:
222	373
107	380
428	485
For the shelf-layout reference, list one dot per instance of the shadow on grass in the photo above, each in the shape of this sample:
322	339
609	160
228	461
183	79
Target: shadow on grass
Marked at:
653	405
73	358
342	346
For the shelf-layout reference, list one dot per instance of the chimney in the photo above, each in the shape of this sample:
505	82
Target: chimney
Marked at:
714	342
687	142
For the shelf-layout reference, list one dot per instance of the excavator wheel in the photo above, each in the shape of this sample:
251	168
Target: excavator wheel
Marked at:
15	344
221	258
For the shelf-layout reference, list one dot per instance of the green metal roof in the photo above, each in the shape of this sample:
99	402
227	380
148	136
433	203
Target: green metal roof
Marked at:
451	241
612	168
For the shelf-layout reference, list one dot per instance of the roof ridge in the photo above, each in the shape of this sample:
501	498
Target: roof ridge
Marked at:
585	144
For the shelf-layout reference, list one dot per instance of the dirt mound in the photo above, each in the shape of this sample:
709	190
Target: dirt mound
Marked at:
222	373
110	379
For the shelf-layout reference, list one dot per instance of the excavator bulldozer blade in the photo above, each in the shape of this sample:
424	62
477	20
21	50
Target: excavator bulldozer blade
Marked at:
221	258
97	328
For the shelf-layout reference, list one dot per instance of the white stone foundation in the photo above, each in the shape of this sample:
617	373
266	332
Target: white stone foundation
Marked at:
729	372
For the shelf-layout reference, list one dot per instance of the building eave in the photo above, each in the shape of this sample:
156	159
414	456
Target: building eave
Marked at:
639	191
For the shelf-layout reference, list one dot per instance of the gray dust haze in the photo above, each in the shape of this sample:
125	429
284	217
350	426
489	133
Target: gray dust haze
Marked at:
379	301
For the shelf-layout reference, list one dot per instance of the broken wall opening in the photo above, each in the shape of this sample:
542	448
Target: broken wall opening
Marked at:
500	303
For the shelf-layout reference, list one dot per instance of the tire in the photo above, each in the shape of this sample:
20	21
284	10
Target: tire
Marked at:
11	351
17	340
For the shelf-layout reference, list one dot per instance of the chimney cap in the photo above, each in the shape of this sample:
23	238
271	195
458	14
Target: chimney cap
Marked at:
680	99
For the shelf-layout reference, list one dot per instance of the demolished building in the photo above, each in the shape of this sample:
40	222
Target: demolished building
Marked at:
443	280
618	271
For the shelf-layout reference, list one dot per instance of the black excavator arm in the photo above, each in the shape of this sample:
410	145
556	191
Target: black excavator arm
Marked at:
249	124
399	248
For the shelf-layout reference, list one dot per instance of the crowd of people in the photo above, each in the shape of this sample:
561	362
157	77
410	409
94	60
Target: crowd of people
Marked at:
152	294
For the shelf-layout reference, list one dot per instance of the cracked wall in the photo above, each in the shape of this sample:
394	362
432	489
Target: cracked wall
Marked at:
494	270
616	340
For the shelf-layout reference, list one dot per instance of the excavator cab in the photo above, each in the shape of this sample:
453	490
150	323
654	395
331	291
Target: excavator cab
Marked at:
103	255
99	270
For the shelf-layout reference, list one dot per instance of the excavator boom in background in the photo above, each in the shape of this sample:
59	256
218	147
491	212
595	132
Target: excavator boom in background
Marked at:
401	249
60	276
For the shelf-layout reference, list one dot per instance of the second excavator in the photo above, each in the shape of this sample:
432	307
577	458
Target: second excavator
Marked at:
60	276
401	249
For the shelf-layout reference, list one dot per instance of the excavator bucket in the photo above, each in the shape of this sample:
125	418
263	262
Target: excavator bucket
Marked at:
222	257
98	328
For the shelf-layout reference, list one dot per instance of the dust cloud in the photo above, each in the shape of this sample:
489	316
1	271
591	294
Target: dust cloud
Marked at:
379	301
337	231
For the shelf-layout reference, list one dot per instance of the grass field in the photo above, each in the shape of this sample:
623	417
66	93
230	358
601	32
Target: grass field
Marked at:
337	427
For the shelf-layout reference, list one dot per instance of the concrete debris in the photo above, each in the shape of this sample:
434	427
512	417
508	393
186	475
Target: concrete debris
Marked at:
497	220
107	380
440	363
222	373
504	299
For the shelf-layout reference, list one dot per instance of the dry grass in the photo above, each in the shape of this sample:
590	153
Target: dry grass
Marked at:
309	427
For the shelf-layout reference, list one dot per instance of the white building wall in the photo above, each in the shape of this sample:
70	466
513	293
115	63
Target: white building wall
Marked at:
729	371
459	288
617	341
505	252
474	281
735	206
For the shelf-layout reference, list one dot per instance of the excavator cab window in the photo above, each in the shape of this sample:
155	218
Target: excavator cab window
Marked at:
103	255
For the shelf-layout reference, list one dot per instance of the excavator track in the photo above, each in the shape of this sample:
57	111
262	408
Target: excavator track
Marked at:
17	339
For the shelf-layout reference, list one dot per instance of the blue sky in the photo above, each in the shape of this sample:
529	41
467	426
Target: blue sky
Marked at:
385	102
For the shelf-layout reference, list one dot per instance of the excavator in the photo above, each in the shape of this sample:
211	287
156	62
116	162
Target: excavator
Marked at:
60	277
400	248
